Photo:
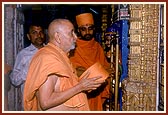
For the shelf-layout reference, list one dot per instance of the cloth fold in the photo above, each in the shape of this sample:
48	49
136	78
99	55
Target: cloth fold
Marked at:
96	70
87	53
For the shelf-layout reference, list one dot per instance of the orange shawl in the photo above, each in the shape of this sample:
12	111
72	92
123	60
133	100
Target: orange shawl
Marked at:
86	54
51	60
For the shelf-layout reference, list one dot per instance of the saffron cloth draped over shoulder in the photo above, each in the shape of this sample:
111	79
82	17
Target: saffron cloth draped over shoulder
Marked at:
51	60
87	53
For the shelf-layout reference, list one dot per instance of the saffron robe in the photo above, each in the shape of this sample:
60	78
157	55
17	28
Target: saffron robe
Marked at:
86	54
51	60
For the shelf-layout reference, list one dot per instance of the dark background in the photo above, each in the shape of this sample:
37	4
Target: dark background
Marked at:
43	14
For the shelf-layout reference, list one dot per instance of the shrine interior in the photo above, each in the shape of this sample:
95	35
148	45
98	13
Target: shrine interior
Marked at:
137	47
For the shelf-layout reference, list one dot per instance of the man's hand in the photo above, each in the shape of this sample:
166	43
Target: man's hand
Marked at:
7	69
88	84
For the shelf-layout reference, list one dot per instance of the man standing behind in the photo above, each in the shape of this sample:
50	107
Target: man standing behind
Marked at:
87	53
19	73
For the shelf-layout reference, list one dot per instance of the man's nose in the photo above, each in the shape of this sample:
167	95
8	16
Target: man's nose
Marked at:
87	31
39	34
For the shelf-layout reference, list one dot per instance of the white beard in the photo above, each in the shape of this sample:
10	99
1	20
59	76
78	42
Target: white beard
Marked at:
72	46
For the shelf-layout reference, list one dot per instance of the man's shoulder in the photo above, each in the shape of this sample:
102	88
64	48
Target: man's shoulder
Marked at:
23	50
27	49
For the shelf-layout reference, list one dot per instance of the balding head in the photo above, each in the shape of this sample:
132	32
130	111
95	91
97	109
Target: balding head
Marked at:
57	25
61	33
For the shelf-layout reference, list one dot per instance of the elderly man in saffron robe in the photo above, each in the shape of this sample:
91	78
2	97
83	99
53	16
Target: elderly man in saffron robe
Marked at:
52	83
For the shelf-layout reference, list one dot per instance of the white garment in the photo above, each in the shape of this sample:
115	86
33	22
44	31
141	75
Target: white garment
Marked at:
19	72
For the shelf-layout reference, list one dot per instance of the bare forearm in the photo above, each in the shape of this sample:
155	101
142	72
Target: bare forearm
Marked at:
50	96
58	98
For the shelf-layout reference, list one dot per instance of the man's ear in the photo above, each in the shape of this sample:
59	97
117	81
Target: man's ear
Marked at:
57	37
28	36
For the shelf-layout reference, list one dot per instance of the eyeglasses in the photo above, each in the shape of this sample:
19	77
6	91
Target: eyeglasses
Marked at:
84	28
